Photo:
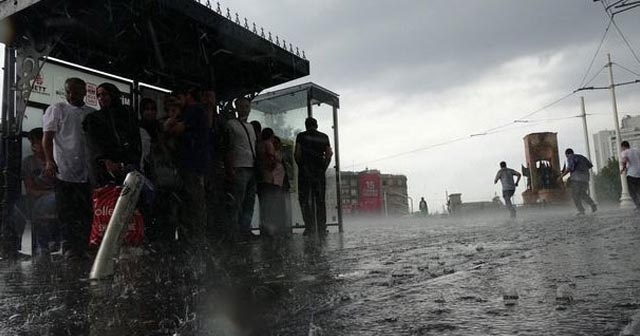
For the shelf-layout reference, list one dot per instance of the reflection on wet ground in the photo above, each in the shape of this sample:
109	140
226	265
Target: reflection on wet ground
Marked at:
542	274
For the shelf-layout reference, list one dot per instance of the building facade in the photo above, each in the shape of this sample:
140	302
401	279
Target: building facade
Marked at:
370	192
605	141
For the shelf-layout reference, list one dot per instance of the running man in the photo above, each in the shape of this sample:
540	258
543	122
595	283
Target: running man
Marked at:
505	176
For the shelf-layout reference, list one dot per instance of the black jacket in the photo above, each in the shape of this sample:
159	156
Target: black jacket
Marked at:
112	134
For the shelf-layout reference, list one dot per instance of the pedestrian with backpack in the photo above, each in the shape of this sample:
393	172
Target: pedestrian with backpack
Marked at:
578	166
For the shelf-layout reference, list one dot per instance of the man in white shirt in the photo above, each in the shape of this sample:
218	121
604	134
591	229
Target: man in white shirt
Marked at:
630	163
66	158
505	176
240	171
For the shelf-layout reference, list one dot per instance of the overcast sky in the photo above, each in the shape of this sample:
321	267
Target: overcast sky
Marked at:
411	74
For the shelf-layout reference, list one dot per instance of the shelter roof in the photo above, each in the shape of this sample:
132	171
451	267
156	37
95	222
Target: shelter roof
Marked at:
295	97
167	43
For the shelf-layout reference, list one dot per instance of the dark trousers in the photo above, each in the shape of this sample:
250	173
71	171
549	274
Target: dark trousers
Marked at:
241	199
75	211
507	194
272	209
634	189
579	193
216	212
193	213
311	194
166	207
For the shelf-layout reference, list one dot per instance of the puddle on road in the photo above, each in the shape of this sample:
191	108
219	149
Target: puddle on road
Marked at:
441	278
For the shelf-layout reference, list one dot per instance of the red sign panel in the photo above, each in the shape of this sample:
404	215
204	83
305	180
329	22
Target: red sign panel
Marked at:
370	192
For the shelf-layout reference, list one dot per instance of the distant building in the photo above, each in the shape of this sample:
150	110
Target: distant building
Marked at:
605	141
394	190
373	193
349	192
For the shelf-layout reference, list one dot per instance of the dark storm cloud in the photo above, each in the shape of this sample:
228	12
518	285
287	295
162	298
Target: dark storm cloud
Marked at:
408	46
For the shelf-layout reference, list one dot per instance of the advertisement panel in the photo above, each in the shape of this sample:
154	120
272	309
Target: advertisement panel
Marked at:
369	192
48	86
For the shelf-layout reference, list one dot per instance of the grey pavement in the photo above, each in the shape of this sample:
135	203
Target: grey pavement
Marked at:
562	275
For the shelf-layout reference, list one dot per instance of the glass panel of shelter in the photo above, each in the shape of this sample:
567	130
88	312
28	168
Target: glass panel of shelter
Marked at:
324	114
286	124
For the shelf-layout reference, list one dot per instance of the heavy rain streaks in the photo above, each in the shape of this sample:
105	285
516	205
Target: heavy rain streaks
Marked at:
544	273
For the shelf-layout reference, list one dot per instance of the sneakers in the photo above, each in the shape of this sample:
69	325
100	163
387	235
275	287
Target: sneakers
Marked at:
580	214
594	208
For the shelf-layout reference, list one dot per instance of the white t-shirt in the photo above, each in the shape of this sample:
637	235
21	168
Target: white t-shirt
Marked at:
633	161
243	150
69	144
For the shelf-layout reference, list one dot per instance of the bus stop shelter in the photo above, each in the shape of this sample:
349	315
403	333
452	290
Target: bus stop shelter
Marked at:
285	111
169	44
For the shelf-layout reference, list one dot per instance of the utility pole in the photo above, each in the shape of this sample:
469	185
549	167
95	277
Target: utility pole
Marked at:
625	200
592	182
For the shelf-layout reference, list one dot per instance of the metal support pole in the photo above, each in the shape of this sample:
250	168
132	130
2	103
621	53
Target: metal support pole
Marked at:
592	182
309	107
10	155
336	156
109	249
386	209
625	199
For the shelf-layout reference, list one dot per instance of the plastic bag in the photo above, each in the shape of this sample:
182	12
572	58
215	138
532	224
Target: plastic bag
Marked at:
104	202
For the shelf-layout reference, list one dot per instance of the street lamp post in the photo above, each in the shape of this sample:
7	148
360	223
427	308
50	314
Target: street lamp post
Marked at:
592	182
625	199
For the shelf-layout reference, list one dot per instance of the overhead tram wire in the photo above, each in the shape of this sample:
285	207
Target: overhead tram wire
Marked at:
392	156
595	55
490	131
627	69
610	14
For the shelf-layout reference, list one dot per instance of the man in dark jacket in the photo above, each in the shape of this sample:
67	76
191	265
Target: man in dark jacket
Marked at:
578	166
313	155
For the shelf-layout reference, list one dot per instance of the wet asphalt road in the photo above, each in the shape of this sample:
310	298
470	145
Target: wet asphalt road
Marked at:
571	276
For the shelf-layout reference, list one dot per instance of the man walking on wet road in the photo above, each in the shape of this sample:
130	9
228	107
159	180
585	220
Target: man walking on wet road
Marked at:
313	155
630	163
579	167
505	176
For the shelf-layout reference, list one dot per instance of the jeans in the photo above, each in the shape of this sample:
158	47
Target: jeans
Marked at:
579	193
507	194
242	192
311	194
44	220
75	211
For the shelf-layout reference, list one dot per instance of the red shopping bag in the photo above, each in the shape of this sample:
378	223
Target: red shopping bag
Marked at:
104	202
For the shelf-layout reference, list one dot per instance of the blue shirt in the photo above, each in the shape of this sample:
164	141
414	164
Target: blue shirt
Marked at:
578	166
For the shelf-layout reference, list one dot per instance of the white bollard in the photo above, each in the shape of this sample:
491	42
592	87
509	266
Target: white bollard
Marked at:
110	246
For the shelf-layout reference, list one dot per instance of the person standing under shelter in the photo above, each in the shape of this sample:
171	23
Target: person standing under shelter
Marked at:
313	155
113	136
67	159
193	134
630	163
40	190
505	176
578	166
240	163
